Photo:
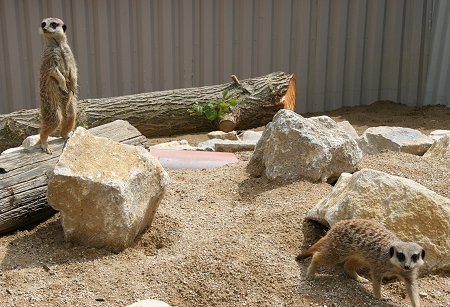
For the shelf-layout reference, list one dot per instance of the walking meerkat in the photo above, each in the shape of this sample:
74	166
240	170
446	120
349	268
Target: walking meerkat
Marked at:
58	82
364	243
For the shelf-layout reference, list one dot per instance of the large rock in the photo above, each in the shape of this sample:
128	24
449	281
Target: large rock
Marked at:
293	147
378	139
107	192
405	207
440	148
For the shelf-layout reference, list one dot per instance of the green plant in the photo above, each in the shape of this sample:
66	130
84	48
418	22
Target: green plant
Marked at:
214	109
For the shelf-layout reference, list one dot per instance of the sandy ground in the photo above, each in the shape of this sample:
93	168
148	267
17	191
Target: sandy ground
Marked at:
221	238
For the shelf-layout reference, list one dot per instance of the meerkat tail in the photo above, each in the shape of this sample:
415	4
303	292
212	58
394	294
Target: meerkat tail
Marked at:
309	251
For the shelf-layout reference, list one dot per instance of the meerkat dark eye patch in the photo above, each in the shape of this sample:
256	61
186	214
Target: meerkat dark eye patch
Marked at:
423	254
64	28
415	257
43	25
53	25
401	257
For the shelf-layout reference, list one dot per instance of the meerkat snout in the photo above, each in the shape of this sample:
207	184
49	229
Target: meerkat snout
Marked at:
407	255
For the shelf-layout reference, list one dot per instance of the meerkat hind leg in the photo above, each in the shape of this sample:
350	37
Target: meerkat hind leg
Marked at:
50	122
43	139
350	267
68	117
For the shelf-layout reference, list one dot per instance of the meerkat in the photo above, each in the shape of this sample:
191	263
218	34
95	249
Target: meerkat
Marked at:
364	243
58	82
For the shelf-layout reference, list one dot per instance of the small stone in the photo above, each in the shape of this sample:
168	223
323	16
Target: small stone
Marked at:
232	135
423	294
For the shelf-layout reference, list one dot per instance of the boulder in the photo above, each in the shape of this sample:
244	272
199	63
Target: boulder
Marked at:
378	139
407	208
107	192
440	148
293	147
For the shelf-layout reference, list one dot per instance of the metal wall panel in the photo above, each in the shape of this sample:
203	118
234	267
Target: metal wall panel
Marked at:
344	52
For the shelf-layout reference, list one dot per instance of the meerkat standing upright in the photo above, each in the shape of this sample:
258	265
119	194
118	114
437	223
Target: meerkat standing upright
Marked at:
364	243
58	82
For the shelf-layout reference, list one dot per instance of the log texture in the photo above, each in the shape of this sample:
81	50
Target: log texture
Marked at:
24	175
167	112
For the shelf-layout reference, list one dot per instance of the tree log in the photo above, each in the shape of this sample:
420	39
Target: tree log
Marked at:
167	112
24	175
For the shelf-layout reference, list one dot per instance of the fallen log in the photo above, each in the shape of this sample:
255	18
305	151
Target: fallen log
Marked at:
24	175
167	113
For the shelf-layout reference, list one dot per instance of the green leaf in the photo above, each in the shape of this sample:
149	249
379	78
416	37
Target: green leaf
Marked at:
233	102
197	108
223	104
225	93
211	114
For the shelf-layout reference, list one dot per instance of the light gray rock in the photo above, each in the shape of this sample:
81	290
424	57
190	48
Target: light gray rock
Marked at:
440	148
107	192
29	141
383	138
232	135
293	147
437	134
176	145
246	142
407	208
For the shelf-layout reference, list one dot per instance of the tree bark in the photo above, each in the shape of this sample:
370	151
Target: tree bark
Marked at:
24	176
167	112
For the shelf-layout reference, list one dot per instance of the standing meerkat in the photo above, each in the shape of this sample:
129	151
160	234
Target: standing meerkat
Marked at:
364	243
58	82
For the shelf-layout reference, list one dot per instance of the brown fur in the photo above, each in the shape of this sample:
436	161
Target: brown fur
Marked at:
364	243
58	82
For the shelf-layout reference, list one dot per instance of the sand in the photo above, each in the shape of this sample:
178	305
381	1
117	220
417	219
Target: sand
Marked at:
222	238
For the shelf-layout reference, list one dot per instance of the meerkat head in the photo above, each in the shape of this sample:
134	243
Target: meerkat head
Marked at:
53	28
406	255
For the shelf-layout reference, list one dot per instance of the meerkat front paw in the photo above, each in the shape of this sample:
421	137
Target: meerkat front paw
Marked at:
63	87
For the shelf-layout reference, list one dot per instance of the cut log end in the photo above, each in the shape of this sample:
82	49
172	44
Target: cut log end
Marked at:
228	122
289	99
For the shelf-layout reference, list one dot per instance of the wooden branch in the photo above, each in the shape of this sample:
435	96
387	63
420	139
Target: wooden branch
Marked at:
23	176
167	112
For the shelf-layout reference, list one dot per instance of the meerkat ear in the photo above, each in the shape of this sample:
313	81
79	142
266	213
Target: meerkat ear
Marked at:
391	251
64	28
423	253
